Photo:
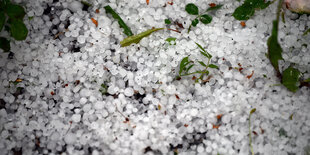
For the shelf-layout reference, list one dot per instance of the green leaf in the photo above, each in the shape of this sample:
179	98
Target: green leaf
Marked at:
169	40
247	9
206	19
243	12
209	56
5	44
136	38
202	64
274	48
192	9
201	47
18	30
252	111
215	8
189	67
204	52
213	66
290	78
195	22
2	20
183	64
121	23
307	80
258	4
167	21
15	11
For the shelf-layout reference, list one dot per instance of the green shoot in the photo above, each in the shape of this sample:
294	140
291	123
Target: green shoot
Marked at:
121	23
167	21
250	132
136	38
192	9
171	41
186	65
30	18
104	89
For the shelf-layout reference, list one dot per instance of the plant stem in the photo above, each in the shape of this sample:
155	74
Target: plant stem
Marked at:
189	29
200	72
279	10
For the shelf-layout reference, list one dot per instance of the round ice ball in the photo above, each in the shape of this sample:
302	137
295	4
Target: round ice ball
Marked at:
128	92
104	25
70	138
75	6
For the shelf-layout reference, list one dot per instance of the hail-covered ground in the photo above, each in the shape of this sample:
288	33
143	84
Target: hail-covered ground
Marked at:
51	103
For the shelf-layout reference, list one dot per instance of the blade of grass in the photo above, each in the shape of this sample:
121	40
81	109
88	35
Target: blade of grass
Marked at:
188	68
121	23
209	56
136	38
183	63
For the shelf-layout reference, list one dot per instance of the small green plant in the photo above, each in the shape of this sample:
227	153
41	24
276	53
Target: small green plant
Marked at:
167	21
250	132
171	41
104	88
192	9
290	77
11	17
186	65
247	9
